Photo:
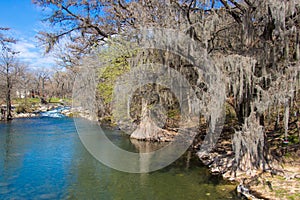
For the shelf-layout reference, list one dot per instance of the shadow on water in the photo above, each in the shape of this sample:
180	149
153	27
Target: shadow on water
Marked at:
43	158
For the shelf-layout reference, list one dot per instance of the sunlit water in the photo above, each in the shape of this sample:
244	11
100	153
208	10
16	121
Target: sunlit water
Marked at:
43	158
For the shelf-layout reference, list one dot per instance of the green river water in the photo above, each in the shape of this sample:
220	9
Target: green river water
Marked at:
43	158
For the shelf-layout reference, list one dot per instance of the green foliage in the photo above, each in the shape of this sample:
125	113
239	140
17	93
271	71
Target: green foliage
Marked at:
114	63
108	77
288	155
173	114
293	139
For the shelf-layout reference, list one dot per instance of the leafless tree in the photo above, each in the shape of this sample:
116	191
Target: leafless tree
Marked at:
62	83
9	70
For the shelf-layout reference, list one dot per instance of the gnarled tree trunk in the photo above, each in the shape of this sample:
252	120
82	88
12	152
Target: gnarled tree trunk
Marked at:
147	129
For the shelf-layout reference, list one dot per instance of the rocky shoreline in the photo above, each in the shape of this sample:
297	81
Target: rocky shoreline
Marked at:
281	181
39	109
51	109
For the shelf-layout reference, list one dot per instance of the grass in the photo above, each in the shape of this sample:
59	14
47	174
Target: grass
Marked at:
27	100
58	100
294	197
38	100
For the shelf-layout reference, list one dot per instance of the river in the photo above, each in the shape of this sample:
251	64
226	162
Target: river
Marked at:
43	158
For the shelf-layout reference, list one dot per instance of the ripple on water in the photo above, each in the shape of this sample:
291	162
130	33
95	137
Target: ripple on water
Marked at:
48	196
15	154
13	177
5	188
4	184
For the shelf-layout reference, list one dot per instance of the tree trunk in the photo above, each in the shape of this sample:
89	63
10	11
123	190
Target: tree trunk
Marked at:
298	129
8	100
148	130
243	111
249	145
297	49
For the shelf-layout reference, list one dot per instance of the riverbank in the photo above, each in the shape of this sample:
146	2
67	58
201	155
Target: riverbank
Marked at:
39	109
281	184
280	181
49	109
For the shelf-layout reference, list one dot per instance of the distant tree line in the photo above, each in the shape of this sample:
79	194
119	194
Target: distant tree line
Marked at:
20	81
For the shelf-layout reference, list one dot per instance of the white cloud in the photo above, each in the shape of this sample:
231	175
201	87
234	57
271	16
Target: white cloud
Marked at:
33	55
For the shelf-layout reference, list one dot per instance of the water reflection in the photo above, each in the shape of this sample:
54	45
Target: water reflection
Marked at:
43	158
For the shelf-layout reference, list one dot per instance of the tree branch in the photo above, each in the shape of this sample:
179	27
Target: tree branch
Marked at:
234	14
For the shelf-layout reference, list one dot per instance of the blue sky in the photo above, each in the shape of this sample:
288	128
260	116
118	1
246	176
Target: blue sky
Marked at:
24	19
